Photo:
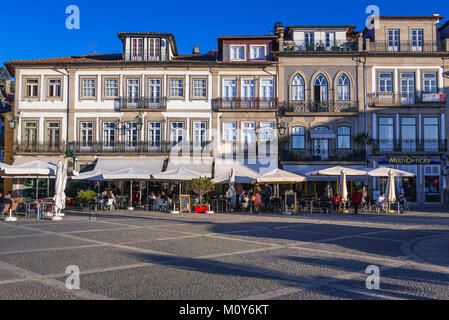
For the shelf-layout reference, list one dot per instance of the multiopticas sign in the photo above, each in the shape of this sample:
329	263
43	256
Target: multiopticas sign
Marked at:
408	160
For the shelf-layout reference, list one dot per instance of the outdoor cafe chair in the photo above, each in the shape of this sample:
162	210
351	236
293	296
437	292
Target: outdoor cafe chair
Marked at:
110	204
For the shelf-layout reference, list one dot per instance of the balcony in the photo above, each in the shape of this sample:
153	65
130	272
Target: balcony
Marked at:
394	99
144	104
331	154
163	147
404	46
39	147
335	46
261	104
426	146
302	107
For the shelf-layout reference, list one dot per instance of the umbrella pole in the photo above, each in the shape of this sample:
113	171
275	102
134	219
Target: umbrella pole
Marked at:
37	188
131	196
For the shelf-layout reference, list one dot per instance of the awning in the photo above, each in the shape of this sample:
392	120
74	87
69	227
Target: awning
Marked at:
201	165
180	174
302	170
322	134
245	169
124	168
32	169
280	176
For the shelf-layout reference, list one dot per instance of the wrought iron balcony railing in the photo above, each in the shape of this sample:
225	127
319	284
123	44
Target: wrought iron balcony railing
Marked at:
322	106
36	147
409	146
405	46
245	103
95	147
139	103
332	46
392	98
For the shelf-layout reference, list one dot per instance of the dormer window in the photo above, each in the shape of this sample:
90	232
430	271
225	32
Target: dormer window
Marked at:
136	49
257	52
237	52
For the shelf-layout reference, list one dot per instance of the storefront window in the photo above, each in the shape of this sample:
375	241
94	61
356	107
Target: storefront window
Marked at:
432	183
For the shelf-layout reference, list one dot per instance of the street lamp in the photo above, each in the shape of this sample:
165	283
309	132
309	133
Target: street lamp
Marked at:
11	120
138	122
282	127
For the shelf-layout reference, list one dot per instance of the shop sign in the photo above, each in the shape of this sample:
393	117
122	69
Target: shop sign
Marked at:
433	97
408	160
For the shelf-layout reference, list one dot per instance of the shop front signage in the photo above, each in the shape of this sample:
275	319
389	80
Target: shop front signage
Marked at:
408	160
433	97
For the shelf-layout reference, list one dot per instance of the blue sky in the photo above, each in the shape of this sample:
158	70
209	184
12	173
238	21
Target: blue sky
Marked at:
36	29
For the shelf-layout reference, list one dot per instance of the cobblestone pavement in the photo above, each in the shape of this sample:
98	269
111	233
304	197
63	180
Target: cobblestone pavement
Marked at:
142	255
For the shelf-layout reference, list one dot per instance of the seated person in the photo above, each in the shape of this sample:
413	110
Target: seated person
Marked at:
403	204
381	202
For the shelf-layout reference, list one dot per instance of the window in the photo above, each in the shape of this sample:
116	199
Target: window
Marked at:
111	87
344	137
53	133
298	138
417	40
131	134
431	134
248	132
229	89
237	52
298	88
88	87
309	37
154	90
32	86
199	134
330	39
386	128
199	88
109	134
385	82
343	88
393	40
266	131
176	87
136	49
30	133
248	88
177	132
54	88
154	134
408	134
266	89
257	52
430	82
154	49
321	88
229	131
86	133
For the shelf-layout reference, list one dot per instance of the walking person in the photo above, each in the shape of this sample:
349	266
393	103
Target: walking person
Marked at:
257	201
364	201
356	199
232	197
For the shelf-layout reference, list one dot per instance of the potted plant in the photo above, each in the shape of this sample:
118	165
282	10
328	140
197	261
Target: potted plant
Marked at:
201	187
85	198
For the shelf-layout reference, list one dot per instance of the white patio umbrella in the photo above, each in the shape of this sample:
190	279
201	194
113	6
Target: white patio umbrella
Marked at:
390	192
231	177
60	182
385	172
280	176
337	171
343	188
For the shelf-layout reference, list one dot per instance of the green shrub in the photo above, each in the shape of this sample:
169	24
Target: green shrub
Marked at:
86	197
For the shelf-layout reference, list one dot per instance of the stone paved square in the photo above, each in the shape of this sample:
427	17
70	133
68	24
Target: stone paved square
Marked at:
150	255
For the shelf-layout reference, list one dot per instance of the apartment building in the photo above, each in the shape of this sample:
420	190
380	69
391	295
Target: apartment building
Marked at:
407	85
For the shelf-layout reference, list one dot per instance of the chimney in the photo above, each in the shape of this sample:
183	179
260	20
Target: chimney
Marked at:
196	50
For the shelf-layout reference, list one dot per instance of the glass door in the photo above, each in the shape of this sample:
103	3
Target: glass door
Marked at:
431	134
131	136
154	92
109	135
199	136
133	92
408	88
177	135
417	40
408	134
321	146
393	40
